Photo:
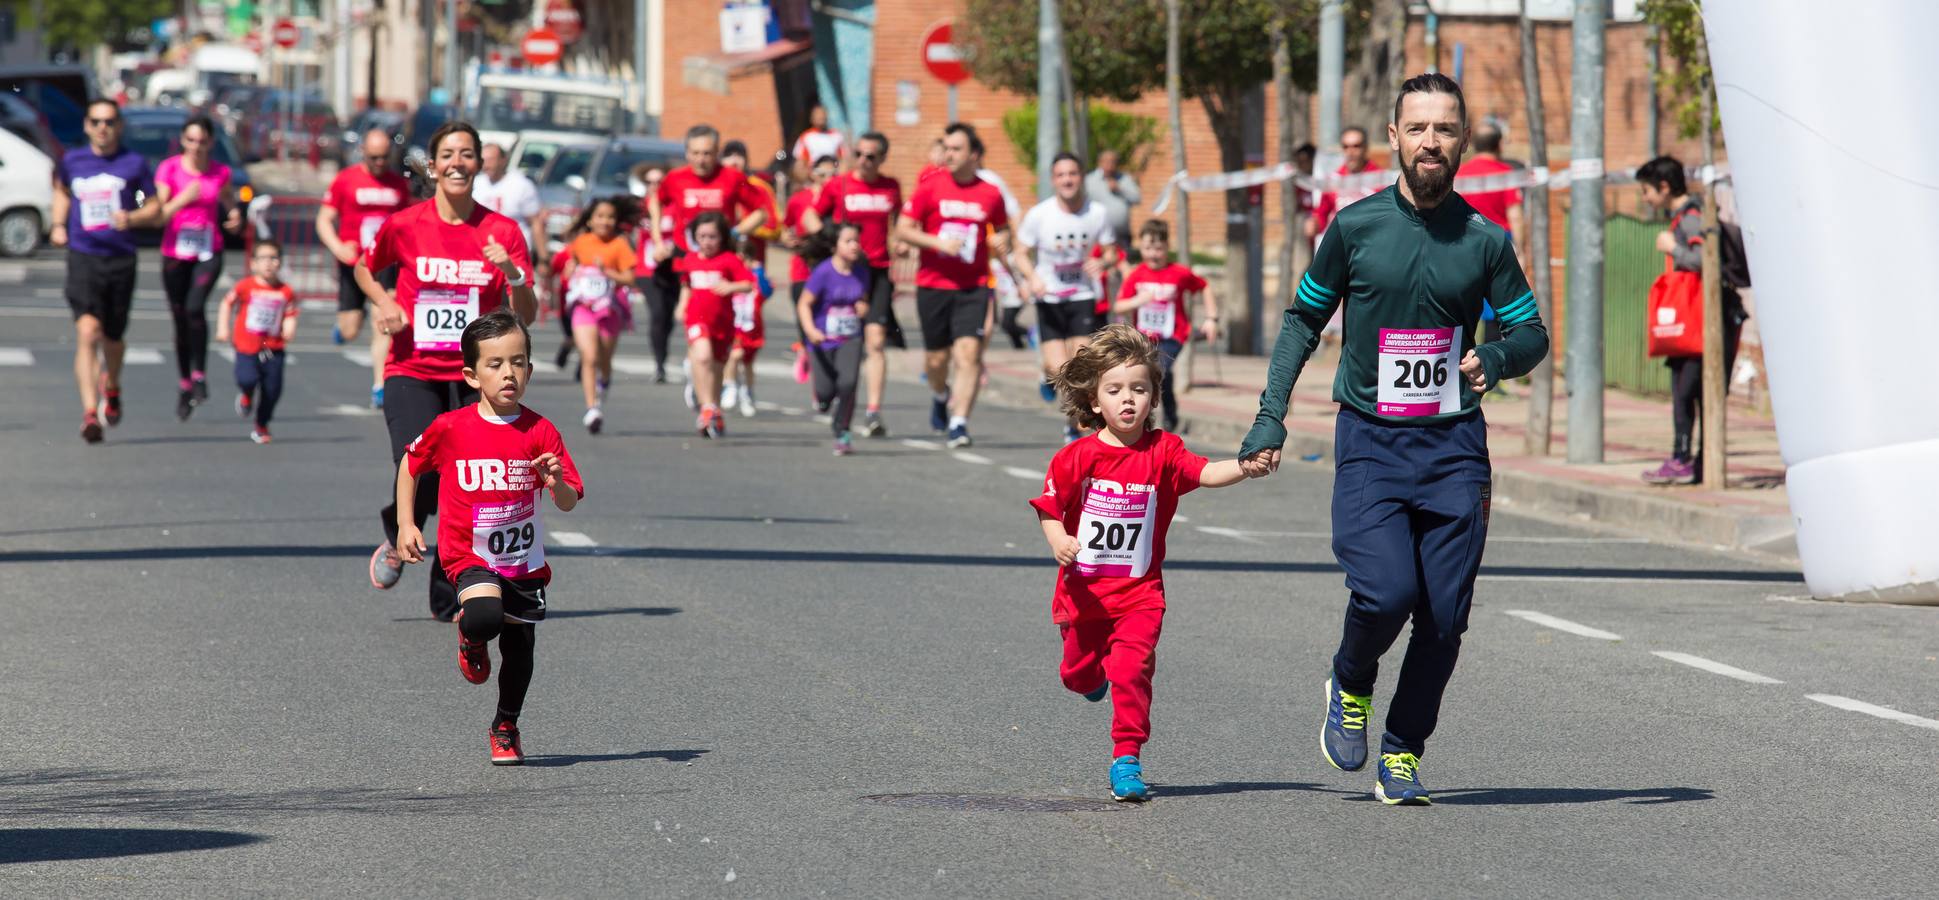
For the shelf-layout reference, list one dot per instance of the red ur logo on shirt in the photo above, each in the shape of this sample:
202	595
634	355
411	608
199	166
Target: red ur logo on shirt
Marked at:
452	271
870	203
496	475
376	196
709	198
962	209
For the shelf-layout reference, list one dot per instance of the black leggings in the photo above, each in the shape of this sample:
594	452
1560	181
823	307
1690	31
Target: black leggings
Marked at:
1686	382
483	620
1015	329
836	373
1168	351
188	284
662	295
409	406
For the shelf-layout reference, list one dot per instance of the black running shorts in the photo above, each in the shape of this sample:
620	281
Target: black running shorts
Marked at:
1070	319
102	287
524	599
350	297
949	316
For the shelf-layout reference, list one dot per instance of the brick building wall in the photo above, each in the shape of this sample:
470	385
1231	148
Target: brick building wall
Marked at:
748	111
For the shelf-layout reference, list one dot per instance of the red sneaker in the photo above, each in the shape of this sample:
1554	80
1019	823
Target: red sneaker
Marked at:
504	746
474	661
91	428
111	407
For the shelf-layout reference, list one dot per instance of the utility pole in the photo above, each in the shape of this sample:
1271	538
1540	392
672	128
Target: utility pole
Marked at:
451	52
1333	76
1584	358
1173	97
340	61
1541	403
1714	444
1050	114
640	75
1282	84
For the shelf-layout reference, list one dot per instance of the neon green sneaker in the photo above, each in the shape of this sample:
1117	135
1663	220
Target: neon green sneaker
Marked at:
1400	781
1343	736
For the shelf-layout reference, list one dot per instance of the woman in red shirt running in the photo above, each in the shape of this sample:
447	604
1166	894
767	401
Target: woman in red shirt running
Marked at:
456	261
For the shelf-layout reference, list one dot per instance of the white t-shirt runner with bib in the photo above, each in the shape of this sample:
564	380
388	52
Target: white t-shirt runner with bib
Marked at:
1420	371
439	317
747	306
265	312
1115	530
1063	242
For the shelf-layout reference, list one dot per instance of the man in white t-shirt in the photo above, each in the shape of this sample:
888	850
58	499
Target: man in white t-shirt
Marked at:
817	141
1064	277
510	194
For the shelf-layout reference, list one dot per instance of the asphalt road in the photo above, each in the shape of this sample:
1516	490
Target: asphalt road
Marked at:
771	672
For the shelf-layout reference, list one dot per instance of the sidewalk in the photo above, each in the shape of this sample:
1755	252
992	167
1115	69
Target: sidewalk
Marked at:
1752	513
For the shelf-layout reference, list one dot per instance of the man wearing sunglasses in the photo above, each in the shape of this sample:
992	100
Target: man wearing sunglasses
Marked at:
871	200
95	205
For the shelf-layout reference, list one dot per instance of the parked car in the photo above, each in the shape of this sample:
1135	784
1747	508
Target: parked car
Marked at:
155	132
27	124
275	123
60	92
232	104
351	148
536	148
26	195
577	175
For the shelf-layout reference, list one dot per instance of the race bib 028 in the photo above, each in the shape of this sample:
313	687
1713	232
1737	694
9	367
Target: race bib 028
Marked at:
439	317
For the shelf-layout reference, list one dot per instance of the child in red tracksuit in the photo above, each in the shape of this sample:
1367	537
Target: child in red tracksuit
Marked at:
1107	502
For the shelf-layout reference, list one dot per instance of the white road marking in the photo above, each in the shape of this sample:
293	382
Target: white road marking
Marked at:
359	356
572	539
317	306
16	356
13	274
766	405
1714	667
921	444
1547	620
637	366
1232	533
62	312
1869	709
346	409
1026	474
228	354
1180	519
792	410
142	356
972	458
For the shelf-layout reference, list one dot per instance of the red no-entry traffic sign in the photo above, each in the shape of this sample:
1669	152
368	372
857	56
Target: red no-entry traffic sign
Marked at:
541	47
562	19
941	56
285	33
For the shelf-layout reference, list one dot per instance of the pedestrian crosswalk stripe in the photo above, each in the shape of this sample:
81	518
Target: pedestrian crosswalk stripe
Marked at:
16	356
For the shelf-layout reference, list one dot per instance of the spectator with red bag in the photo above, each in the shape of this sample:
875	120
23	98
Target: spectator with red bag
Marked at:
1676	311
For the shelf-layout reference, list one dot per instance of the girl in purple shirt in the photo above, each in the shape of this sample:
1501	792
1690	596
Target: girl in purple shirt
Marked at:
194	191
832	308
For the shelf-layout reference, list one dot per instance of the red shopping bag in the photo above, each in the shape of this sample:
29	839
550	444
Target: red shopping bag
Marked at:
1676	314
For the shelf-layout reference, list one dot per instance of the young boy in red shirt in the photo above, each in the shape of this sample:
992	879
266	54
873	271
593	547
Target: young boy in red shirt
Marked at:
1108	500
264	323
750	334
1158	291
494	460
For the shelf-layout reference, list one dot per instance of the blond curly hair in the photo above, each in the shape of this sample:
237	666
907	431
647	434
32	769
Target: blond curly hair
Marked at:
1112	346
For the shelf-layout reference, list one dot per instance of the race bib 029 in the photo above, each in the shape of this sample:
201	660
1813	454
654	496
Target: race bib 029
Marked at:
1420	371
510	538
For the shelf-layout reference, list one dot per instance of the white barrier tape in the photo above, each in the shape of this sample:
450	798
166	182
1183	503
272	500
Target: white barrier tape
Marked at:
1374	180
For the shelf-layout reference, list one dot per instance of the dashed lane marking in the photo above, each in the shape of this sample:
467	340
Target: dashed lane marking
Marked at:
920	444
346	409
1548	621
572	539
16	356
142	356
972	458
1870	709
1714	667
1026	474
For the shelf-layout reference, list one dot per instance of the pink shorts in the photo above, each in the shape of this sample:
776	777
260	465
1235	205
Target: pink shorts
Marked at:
610	322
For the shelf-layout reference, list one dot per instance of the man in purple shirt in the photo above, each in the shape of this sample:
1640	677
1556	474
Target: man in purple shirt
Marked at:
95	190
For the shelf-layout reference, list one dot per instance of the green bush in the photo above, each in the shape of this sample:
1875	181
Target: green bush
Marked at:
1132	135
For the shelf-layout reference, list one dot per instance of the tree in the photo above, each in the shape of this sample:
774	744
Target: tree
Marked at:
83	24
1679	24
1116	49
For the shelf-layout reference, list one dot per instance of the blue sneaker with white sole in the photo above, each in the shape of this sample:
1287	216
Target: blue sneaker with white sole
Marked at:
1047	391
939	413
1098	694
1400	781
1343	736
1128	780
377	397
959	437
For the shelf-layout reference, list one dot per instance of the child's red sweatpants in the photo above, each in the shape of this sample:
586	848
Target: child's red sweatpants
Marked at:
1124	651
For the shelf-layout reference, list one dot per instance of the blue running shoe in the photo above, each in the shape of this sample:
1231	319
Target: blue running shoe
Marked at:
1071	434
1128	780
1343	737
377	397
1098	694
959	437
1047	391
1400	781
939	413
336	334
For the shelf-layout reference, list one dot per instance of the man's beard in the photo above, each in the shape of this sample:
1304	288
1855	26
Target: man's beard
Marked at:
1429	188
